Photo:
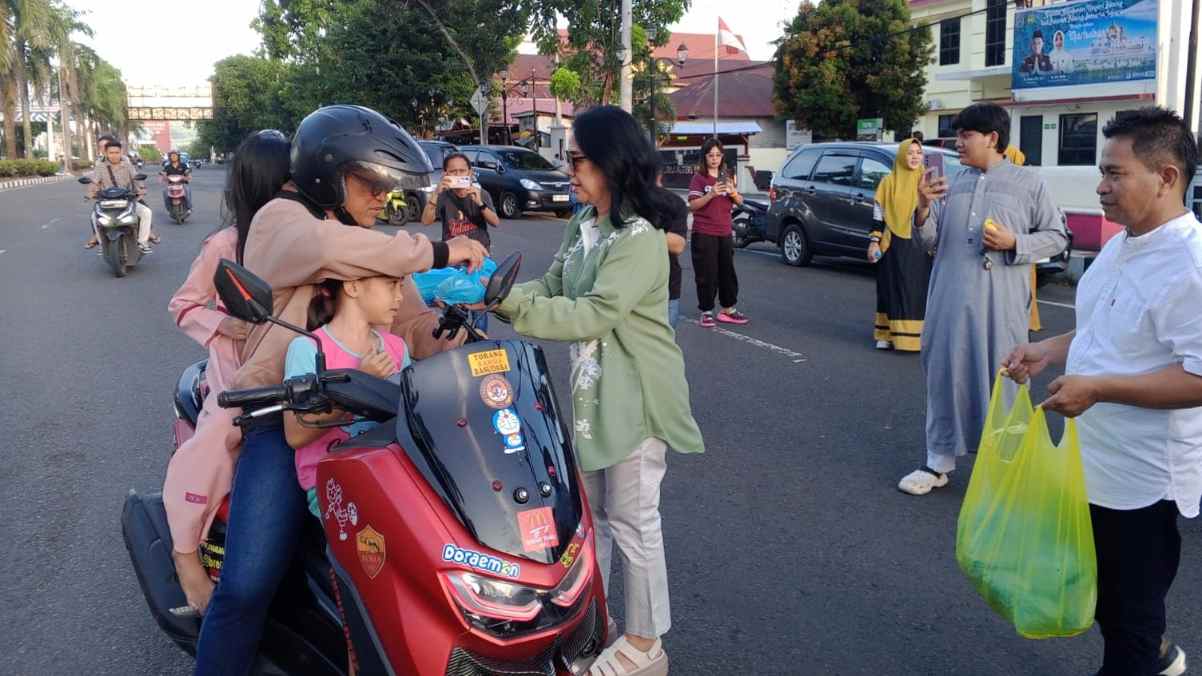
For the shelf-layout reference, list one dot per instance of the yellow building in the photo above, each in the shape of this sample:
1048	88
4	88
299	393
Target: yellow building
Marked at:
1057	120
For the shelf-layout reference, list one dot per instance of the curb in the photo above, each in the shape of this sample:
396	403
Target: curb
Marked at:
24	182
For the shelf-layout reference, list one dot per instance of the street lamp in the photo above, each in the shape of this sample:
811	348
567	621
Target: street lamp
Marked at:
682	55
505	106
528	89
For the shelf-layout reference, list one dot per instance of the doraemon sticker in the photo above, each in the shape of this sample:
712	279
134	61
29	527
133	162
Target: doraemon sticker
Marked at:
509	426
496	392
484	562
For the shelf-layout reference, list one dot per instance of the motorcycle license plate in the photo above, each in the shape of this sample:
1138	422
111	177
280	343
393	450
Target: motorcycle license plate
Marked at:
559	198
112	204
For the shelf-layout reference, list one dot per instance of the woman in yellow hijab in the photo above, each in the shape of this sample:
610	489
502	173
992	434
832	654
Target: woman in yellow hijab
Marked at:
903	266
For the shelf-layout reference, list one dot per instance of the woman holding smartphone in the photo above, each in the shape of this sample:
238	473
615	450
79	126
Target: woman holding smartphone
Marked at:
712	196
903	267
460	204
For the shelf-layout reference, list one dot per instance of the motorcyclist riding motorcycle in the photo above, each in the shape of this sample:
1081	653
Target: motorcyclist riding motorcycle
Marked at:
175	167
118	173
345	160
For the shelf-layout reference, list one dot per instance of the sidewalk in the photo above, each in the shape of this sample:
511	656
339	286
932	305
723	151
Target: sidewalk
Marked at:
14	183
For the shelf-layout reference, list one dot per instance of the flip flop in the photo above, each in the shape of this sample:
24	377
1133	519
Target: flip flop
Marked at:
91	244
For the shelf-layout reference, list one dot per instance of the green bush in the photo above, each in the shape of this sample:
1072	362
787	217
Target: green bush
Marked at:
23	168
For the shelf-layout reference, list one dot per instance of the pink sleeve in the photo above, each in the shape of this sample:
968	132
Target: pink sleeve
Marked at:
189	307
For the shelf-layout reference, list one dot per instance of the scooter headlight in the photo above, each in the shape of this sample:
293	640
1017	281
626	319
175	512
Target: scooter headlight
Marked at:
104	219
508	608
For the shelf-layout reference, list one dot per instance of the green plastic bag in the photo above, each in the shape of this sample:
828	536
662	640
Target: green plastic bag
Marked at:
1024	537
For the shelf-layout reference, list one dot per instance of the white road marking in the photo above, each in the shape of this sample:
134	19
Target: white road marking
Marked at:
795	357
3	250
50	223
771	254
1064	305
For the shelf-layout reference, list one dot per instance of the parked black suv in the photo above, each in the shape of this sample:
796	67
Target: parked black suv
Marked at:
822	200
520	180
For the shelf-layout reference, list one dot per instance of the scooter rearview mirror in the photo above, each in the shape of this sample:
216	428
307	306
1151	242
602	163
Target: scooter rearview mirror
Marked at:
244	295
502	280
85	180
140	177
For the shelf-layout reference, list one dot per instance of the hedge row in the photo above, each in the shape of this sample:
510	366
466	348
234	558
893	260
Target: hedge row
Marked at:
23	168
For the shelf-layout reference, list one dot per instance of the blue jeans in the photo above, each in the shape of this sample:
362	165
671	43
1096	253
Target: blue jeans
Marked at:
479	320
267	515
673	312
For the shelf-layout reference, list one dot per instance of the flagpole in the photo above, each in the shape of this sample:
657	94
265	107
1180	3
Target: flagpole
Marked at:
717	34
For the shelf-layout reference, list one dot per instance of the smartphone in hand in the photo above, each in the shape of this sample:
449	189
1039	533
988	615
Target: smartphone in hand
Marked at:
934	167
461	182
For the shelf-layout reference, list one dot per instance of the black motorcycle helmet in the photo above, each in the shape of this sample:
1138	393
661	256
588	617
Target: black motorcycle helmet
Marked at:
334	140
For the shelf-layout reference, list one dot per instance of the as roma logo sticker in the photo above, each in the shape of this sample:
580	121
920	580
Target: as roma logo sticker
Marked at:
370	545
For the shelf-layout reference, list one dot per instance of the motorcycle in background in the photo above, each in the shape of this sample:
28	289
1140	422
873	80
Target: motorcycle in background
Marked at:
750	221
396	210
115	222
175	197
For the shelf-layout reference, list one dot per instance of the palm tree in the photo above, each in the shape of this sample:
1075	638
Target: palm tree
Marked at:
27	27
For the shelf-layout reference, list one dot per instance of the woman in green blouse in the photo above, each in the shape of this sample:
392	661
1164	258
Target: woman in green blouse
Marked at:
607	293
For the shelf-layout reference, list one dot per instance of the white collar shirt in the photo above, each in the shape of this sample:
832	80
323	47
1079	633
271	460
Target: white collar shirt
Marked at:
1139	310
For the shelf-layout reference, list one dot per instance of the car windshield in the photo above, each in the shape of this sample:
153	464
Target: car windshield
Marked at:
524	159
435	152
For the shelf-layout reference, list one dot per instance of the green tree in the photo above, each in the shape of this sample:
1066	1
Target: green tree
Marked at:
248	95
848	59
592	47
650	78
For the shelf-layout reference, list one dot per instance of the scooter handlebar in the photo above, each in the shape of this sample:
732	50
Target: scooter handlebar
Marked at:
255	396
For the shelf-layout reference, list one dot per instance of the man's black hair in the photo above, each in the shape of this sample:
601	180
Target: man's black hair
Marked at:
985	118
1038	34
114	144
1158	136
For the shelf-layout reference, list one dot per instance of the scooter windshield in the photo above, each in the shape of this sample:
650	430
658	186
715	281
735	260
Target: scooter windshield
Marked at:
481	424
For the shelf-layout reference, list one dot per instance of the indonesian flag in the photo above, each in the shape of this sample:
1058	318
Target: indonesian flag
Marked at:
732	43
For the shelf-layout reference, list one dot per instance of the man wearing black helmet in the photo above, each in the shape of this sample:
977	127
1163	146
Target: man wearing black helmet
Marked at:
345	160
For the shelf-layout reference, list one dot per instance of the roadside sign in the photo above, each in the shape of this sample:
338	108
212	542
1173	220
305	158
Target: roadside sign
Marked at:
479	102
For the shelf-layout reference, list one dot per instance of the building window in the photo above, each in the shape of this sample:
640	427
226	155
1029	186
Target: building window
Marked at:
995	33
1030	138
949	41
1124	114
945	126
1078	139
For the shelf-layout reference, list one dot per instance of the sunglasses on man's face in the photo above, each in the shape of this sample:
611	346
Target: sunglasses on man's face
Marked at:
378	187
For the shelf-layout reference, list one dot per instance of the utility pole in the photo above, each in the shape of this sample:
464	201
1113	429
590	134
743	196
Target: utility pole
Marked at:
626	85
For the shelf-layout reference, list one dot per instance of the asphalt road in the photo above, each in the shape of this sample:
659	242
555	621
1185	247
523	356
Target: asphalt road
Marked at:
790	550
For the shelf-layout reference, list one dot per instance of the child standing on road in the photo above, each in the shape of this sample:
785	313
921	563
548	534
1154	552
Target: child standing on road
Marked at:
200	471
343	316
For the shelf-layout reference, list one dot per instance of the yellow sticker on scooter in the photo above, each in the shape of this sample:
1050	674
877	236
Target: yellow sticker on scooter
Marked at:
488	362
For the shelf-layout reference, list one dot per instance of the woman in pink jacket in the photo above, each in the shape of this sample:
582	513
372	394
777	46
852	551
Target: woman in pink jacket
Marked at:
200	472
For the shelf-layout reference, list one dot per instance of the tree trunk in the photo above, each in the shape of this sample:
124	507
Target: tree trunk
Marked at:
9	96
64	106
23	97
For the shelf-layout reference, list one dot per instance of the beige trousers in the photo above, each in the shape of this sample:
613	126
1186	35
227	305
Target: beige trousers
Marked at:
624	500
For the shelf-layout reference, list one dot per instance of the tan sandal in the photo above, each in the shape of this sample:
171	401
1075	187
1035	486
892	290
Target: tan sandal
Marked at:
651	663
91	243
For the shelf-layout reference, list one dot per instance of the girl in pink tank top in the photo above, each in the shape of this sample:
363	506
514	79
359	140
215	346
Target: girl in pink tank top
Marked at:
344	316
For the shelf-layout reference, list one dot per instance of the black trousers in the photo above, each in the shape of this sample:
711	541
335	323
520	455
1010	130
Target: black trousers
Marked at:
714	269
1138	553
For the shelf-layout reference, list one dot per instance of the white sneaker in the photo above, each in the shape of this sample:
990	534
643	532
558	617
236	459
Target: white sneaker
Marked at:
884	345
921	481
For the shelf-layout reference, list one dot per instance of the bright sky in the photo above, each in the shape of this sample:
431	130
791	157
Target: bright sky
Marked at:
758	21
138	36
143	37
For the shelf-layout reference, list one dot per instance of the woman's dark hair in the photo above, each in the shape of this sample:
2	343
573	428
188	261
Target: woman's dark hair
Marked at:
324	304
455	156
710	144
612	140
985	118
259	170
1158	137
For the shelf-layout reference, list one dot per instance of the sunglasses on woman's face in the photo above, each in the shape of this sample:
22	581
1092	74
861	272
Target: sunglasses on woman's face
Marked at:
575	158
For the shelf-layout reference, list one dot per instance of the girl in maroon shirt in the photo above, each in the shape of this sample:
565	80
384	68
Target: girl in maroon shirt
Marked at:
712	195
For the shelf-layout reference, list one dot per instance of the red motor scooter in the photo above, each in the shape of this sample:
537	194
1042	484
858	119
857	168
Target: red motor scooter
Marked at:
174	197
456	531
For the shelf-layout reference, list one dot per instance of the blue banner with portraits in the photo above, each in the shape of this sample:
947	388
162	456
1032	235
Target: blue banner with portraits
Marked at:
1111	43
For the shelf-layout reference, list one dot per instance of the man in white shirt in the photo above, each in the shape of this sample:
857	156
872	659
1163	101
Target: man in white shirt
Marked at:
1134	376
